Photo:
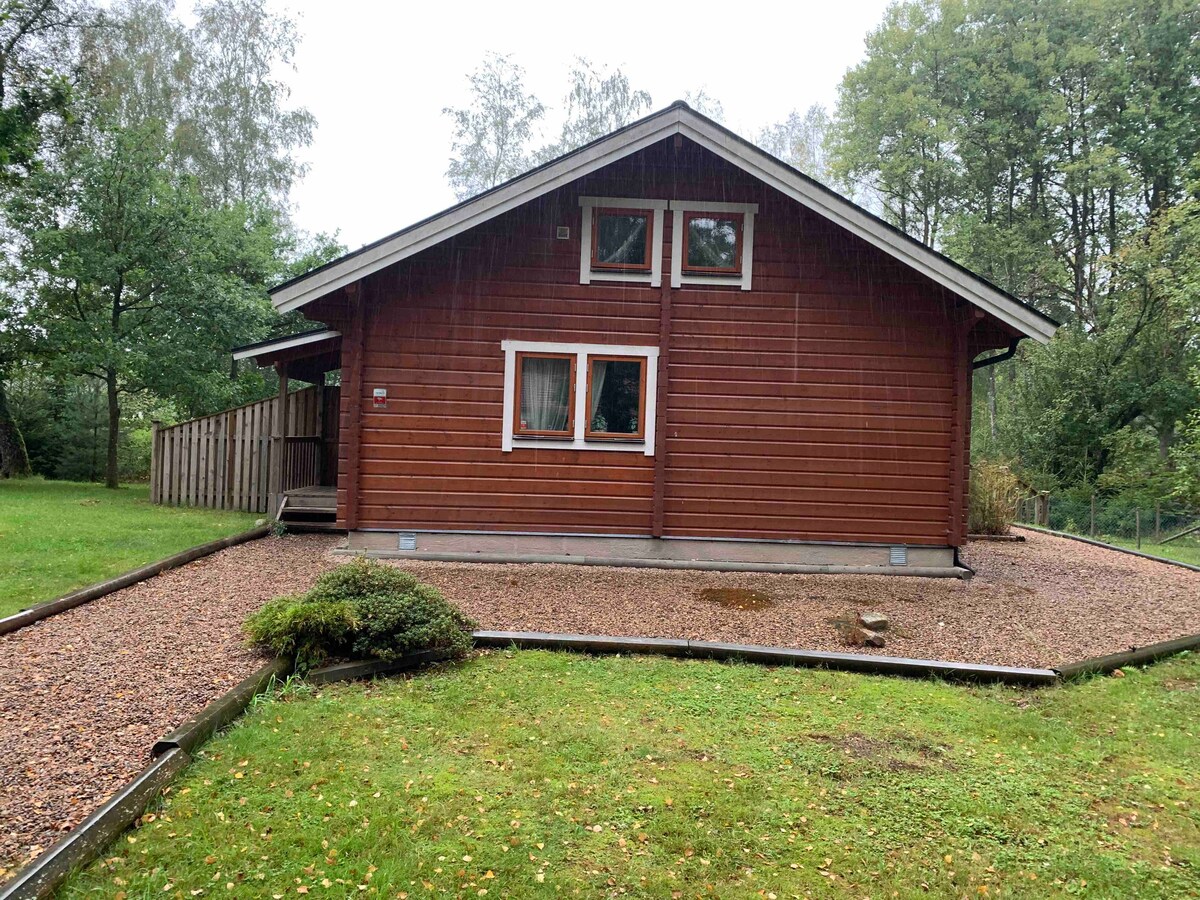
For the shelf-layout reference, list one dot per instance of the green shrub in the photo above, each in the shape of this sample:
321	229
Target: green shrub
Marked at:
362	609
308	630
393	624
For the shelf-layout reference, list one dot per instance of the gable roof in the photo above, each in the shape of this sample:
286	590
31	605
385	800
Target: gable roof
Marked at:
678	118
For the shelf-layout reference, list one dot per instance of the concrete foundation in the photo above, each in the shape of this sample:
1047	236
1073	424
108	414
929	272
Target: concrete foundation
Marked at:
682	553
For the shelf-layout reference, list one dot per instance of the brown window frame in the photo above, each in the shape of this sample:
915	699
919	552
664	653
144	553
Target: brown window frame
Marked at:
598	211
736	269
518	431
590	435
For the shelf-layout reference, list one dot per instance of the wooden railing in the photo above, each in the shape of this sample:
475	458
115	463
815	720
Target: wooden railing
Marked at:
224	461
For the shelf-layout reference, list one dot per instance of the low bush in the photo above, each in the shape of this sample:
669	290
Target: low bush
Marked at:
994	492
362	609
308	630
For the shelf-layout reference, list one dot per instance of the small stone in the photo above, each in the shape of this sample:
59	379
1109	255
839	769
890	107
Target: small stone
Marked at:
874	621
862	637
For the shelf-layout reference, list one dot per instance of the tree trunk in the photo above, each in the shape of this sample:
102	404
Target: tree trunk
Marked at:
111	473
14	460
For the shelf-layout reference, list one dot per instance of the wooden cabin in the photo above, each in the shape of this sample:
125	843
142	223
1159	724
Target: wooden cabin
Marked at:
665	348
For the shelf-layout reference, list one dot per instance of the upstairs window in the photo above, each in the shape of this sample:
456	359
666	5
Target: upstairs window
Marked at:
546	388
616	397
712	242
621	239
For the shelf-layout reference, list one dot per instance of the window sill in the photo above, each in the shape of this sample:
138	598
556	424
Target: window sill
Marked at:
601	444
619	275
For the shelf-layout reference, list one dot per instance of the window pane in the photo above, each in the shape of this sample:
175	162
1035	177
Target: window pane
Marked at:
621	239
545	393
616	396
712	242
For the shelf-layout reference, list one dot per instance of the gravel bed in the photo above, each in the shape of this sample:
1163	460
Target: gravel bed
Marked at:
1043	602
84	694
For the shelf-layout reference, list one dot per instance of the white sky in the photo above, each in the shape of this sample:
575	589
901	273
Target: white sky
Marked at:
377	75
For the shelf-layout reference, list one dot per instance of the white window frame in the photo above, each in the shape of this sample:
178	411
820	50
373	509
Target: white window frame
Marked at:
509	442
657	209
741	279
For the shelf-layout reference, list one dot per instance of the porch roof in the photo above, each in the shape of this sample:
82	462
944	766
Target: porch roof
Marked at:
307	356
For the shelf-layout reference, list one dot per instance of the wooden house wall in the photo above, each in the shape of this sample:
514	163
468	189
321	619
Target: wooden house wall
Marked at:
821	405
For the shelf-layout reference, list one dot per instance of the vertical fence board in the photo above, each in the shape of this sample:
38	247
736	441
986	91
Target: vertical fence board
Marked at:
223	461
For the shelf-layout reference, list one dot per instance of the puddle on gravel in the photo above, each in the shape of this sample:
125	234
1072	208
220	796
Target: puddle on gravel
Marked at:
736	598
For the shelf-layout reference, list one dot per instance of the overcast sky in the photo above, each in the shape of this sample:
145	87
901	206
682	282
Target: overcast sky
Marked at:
378	74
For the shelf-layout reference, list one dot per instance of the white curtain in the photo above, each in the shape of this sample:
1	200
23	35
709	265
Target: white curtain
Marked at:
545	393
599	371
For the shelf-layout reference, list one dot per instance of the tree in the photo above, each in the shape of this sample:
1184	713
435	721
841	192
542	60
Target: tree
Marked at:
598	103
1042	143
131	278
244	134
34	86
493	133
896	116
213	87
799	140
705	103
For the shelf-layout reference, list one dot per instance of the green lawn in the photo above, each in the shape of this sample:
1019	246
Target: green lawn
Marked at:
536	774
59	535
1185	549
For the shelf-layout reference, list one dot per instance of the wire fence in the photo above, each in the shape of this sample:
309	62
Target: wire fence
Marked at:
1122	522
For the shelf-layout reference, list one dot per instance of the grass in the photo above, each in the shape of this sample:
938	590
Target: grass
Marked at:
537	774
56	536
1183	550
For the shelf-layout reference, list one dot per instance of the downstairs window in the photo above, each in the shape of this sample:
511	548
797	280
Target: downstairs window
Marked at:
579	396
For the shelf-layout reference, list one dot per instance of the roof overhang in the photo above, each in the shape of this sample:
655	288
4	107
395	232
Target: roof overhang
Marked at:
677	119
307	356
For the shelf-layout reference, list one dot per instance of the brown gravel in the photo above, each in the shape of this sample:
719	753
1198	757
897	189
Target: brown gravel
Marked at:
1044	602
84	694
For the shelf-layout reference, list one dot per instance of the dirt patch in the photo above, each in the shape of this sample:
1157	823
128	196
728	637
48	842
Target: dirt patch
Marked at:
735	598
1180	684
898	753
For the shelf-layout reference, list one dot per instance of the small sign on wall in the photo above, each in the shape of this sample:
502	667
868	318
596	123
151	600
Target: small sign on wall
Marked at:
379	398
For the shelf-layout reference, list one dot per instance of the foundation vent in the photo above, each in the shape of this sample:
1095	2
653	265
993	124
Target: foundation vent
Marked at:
898	557
408	540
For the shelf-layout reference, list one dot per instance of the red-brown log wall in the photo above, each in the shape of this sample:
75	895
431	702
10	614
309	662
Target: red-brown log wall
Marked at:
818	406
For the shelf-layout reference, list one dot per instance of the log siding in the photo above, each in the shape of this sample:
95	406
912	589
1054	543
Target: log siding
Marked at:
827	403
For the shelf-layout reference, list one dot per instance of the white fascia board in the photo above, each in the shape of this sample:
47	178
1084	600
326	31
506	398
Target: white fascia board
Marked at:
469	215
286	344
862	224
670	122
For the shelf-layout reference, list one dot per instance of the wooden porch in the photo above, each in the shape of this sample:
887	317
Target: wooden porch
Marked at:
277	456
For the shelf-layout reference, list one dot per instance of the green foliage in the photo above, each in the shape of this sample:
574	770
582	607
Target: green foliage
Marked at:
643	777
491	136
799	140
1045	145
597	104
365	609
396	623
129	278
306	629
994	492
